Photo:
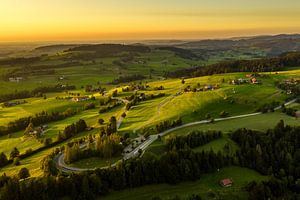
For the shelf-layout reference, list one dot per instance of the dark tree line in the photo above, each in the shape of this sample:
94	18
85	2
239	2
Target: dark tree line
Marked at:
165	125
37	92
258	65
129	78
72	130
89	52
134	99
19	61
275	152
274	189
268	107
192	140
109	107
39	119
172	168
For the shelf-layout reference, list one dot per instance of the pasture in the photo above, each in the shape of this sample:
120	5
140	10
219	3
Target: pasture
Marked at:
207	187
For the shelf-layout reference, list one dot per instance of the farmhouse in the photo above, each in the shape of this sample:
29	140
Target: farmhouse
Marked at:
253	81
80	99
249	75
226	182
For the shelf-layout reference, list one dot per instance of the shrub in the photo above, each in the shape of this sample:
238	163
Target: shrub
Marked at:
23	173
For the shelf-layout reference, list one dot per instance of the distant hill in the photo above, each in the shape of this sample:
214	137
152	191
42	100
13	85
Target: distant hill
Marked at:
106	50
56	47
273	45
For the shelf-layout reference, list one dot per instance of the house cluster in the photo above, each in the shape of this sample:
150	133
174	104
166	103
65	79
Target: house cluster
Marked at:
291	82
15	79
80	99
289	85
37	132
250	78
207	87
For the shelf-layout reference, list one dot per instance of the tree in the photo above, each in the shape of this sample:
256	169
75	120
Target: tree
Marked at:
3	159
47	141
14	153
123	115
23	173
16	161
101	121
49	166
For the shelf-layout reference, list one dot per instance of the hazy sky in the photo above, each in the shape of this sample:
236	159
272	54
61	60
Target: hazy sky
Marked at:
37	20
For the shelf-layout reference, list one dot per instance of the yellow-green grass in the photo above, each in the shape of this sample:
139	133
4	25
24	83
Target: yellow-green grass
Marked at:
36	105
206	186
103	70
259	122
32	163
192	106
24	143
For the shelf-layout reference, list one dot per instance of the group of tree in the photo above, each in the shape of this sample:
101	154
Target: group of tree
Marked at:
134	99
162	126
39	119
109	107
275	152
172	167
89	106
105	146
268	107
37	92
257	65
72	130
194	139
19	61
271	189
129	78
289	111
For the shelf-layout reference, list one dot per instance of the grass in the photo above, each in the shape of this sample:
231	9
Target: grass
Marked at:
33	162
234	99
208	187
259	122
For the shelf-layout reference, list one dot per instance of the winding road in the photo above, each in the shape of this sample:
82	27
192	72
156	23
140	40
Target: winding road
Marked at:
61	165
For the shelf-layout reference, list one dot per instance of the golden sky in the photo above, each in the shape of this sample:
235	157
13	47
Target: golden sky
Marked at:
70	20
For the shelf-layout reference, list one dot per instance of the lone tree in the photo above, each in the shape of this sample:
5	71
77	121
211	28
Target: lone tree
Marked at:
101	121
23	173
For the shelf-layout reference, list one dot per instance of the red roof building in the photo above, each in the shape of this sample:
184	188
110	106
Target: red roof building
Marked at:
226	182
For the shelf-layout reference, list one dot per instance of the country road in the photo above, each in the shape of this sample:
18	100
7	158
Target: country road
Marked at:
65	168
